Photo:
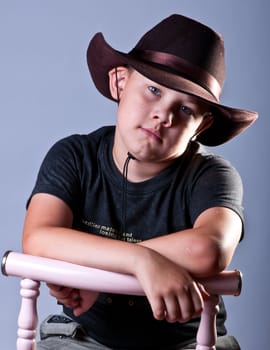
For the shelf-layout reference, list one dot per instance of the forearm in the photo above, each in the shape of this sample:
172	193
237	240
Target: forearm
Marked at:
206	249
197	253
48	232
203	250
83	249
164	283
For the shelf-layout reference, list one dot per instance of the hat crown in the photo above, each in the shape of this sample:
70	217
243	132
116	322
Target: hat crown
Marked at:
188	40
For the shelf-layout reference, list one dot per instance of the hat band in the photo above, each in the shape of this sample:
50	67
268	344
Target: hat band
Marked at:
197	75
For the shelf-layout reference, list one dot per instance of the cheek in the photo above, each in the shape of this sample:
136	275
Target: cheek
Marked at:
127	121
182	134
131	113
124	114
178	144
190	128
185	129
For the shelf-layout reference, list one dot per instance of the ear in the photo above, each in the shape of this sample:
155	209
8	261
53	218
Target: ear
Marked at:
118	77
205	124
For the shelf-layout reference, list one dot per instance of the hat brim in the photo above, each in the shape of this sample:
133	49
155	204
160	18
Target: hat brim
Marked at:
227	123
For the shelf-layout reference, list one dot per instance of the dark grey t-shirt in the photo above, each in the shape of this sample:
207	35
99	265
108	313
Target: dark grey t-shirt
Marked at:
80	170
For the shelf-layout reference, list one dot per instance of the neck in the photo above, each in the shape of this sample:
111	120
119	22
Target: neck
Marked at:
138	170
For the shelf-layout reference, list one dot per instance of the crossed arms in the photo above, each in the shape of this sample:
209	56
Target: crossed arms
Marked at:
165	266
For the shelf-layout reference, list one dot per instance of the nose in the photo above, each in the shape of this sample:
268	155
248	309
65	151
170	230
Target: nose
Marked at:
165	118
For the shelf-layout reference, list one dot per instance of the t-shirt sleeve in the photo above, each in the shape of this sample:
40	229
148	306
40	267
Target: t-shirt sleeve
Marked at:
216	184
60	171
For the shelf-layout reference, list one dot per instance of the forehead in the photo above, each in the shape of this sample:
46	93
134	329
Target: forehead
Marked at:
140	79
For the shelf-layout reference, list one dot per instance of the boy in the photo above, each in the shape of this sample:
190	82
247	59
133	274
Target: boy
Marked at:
144	197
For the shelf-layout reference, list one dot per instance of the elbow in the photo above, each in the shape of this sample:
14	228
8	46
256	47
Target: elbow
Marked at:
210	256
31	243
27	244
216	259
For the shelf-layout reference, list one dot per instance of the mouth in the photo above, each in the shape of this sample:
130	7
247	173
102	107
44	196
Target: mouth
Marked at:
155	134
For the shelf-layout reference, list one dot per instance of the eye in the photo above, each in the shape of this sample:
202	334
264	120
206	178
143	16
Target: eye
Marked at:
154	90
186	110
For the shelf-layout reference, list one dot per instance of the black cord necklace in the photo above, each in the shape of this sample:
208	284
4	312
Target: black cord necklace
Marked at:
124	196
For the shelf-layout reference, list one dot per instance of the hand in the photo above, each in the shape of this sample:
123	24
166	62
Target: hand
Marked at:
78	300
171	291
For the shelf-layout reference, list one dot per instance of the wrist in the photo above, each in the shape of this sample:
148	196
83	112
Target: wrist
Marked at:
143	257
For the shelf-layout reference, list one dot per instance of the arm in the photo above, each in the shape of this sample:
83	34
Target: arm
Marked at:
164	266
206	249
170	289
47	232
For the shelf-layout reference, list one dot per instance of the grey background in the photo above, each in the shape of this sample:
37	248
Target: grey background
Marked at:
46	94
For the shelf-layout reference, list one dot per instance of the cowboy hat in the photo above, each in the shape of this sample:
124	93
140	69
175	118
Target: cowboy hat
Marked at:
181	54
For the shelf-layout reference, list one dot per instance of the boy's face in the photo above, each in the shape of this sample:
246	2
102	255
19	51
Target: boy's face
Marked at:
155	123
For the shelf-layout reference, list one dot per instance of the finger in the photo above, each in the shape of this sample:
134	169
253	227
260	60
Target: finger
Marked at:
197	297
204	293
158	308
186	305
191	302
72	301
80	308
77	311
54	287
173	311
61	293
71	304
85	301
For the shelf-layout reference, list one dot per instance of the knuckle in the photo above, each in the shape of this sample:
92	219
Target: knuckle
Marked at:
159	313
171	318
185	318
52	293
158	310
187	311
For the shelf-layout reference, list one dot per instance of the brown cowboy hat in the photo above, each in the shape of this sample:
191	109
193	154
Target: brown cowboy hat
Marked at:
183	55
